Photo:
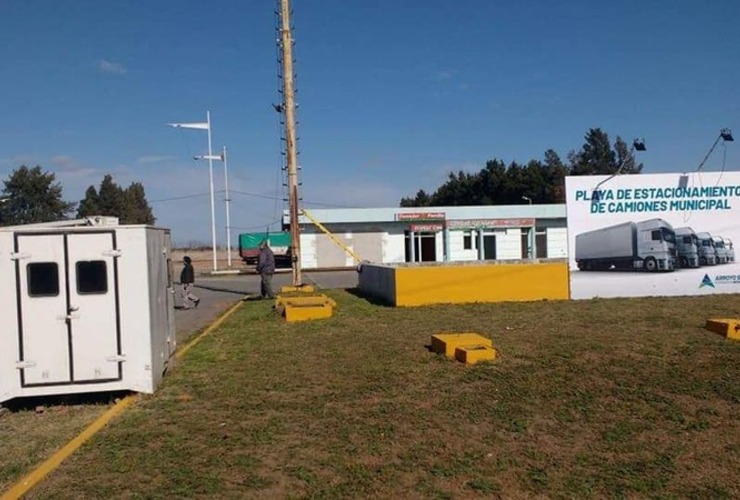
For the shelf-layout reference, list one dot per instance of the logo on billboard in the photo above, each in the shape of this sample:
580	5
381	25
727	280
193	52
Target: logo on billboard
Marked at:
706	281
727	279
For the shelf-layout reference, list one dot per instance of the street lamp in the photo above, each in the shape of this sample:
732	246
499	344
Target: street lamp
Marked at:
726	135
222	157
206	126
637	145
527	198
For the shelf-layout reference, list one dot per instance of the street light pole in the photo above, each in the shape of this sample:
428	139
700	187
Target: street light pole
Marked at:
213	203
527	198
222	157
206	126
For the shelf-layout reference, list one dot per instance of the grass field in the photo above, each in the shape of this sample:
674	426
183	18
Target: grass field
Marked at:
624	398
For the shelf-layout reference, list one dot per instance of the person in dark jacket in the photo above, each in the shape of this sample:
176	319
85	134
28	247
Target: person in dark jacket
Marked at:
266	268
187	278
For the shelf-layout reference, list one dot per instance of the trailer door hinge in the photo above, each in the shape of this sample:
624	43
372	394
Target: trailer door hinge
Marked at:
20	365
118	358
112	253
19	255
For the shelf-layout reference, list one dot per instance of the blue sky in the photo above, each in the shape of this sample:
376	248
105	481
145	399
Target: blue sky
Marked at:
393	94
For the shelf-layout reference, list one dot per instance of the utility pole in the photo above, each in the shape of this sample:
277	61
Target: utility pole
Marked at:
290	140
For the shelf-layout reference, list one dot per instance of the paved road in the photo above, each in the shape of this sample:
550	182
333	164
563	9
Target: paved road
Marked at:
218	293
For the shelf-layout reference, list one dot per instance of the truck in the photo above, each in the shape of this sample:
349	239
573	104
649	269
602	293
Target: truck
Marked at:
648	245
279	243
730	249
687	247
719	247
707	253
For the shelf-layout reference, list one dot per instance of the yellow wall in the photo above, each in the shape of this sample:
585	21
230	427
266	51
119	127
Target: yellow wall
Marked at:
416	286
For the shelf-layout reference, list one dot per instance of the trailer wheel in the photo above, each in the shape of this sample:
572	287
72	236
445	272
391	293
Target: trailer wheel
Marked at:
651	265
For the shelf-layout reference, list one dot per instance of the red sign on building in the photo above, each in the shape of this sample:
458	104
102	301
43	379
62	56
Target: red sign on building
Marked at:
489	223
420	216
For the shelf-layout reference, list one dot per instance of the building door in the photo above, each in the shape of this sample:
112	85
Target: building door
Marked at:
424	247
489	247
67	308
428	247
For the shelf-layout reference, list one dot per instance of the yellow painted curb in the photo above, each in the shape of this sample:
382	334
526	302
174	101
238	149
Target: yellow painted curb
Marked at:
208	330
28	482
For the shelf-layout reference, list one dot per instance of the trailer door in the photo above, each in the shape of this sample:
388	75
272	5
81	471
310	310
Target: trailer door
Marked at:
93	300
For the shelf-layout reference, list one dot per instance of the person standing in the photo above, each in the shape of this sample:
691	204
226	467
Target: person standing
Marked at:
266	268
187	278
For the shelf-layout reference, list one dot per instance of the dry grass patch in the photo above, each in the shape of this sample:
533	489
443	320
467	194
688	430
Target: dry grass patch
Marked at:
628	397
29	436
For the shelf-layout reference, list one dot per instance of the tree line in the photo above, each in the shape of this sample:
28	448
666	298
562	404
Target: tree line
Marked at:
541	181
31	195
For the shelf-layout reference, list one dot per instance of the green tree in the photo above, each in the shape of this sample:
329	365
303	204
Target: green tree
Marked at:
129	205
596	155
422	199
555	172
90	204
32	196
136	208
626	158
110	197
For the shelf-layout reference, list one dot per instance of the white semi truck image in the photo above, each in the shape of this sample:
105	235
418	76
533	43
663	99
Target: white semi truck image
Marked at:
707	253
719	247
648	246
730	249
687	247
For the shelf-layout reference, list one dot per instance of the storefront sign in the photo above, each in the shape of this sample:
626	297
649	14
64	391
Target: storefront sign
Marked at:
420	216
417	228
488	223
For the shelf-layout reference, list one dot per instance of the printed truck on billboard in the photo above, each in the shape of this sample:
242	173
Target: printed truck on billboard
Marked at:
687	247
648	246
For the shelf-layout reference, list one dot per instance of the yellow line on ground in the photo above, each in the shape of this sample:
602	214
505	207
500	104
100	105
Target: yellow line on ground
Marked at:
208	330
28	482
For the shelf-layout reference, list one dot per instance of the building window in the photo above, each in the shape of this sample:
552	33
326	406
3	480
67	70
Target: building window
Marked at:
540	241
468	240
43	279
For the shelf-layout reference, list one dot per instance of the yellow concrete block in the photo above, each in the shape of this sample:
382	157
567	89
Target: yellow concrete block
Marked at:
471	355
298	289
305	308
310	300
729	328
418	286
305	313
446	343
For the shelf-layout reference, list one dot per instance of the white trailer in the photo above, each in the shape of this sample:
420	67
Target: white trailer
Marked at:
87	306
647	245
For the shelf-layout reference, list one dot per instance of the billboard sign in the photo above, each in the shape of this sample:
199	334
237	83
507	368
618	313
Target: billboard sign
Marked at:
653	234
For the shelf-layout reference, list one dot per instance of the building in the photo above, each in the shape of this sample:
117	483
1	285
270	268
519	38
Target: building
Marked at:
433	234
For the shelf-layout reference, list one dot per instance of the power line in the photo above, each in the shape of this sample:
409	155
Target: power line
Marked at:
183	197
